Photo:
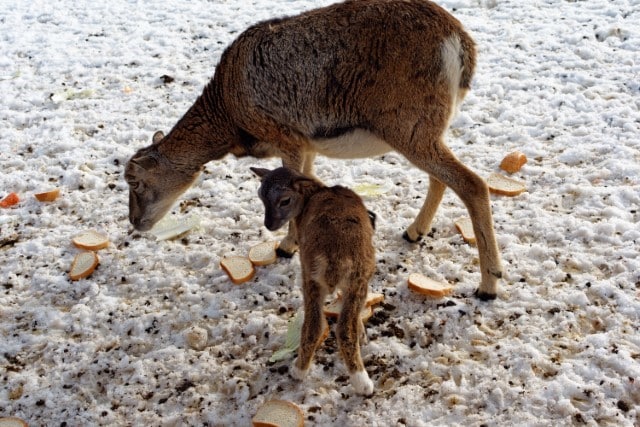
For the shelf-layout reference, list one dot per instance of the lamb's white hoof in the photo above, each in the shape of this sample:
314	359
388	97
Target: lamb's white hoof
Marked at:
297	373
362	383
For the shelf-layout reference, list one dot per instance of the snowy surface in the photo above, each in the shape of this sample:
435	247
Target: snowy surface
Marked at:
82	90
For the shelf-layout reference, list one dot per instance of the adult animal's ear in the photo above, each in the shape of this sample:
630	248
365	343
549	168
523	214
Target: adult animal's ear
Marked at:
261	172
157	137
147	162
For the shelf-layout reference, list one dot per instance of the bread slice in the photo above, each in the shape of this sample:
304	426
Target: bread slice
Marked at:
9	200
91	241
513	161
278	413
465	227
366	313
500	184
426	286
334	308
374	299
170	227
83	265
48	196
263	253
238	268
12	422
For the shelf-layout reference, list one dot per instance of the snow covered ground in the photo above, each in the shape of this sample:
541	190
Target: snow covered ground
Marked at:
82	88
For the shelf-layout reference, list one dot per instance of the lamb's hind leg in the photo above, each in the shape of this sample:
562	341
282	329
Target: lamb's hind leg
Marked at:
348	332
313	325
434	157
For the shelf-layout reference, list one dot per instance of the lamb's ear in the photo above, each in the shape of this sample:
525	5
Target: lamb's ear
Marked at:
261	172
157	137
302	183
146	162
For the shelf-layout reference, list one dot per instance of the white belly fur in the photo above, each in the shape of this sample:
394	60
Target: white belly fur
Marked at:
353	145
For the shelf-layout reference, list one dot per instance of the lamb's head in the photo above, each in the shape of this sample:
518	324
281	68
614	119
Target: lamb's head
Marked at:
281	193
154	185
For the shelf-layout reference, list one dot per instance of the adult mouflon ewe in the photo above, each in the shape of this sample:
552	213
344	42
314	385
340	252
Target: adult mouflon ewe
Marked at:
355	79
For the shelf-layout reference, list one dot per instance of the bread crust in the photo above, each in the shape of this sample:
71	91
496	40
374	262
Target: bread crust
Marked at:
238	277
101	241
465	227
87	271
261	418
513	162
256	257
12	422
48	196
426	286
500	184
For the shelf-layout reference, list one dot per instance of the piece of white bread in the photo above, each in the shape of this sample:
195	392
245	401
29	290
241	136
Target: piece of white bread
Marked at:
83	265
170	227
513	161
334	308
374	298
465	227
48	196
12	422
91	240
238	268
278	413
263	253
426	286
500	184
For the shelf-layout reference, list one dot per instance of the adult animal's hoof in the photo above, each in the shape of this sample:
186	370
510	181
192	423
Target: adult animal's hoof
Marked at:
406	237
485	296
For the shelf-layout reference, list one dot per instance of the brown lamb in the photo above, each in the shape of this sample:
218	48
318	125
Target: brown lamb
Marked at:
334	231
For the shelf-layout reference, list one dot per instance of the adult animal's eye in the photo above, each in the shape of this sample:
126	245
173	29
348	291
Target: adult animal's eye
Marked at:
284	202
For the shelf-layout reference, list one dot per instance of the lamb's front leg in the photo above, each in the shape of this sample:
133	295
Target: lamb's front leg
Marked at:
289	244
301	162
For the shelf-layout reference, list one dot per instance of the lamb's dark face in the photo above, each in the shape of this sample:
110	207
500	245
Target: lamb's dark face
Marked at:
281	201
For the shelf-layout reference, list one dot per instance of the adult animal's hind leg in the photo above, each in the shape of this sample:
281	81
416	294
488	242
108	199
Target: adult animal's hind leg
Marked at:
423	221
434	157
307	167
